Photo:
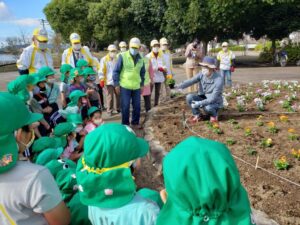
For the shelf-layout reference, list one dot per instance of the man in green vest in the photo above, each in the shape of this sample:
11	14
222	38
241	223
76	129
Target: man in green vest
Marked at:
129	77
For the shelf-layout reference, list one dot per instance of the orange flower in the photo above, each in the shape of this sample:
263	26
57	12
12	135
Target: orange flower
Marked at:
169	76
291	130
271	124
215	125
282	159
283	118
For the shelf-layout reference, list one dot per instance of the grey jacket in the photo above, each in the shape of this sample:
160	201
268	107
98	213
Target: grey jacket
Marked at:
211	87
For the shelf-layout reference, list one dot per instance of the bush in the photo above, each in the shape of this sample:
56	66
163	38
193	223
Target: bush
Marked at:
293	53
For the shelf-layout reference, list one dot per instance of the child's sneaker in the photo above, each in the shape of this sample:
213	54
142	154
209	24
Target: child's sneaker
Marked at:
214	119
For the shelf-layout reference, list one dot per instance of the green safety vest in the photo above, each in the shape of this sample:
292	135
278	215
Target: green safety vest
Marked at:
147	75
130	77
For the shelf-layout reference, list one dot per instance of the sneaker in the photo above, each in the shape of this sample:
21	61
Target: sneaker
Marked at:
195	119
214	119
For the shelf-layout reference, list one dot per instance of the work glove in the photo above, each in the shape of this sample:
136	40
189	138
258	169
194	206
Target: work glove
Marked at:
102	83
161	69
196	104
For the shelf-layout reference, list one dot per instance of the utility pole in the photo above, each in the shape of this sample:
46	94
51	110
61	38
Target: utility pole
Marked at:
43	23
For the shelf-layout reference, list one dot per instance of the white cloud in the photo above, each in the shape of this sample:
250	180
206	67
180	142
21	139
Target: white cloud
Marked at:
5	14
26	22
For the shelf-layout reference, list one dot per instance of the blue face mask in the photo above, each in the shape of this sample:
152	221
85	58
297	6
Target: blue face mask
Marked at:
133	51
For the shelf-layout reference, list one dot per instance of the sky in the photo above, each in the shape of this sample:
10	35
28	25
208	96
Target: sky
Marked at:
20	15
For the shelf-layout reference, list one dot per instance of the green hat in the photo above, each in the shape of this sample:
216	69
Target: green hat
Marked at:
54	166
74	118
64	69
103	174
75	96
14	114
79	212
92	110
8	152
61	131
88	71
44	143
151	195
48	154
75	72
46	71
67	184
203	186
81	62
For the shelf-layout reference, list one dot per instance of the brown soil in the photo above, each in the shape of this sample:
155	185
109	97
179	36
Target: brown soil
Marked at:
279	199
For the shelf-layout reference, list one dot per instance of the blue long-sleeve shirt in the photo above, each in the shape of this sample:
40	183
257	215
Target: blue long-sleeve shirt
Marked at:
119	66
211	87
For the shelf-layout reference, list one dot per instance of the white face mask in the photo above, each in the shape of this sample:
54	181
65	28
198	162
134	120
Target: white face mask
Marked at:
205	71
51	81
164	47
155	49
81	80
224	49
42	46
98	122
123	49
78	129
112	55
76	47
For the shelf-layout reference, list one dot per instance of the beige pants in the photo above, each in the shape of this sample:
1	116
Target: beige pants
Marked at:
190	72
166	91
111	92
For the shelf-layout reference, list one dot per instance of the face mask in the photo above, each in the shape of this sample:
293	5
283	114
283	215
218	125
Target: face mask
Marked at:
123	49
164	47
205	71
81	80
155	49
84	101
51	81
133	51
78	129
224	49
77	47
97	122
42	46
112	54
92	78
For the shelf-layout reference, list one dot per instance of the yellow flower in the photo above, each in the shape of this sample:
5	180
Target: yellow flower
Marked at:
291	130
169	76
215	125
269	141
283	118
247	129
282	159
271	124
260	117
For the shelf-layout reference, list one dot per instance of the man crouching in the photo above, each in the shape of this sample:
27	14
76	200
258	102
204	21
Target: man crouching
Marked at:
209	96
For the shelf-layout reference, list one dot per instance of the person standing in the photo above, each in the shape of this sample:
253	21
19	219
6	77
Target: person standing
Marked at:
159	68
129	77
226	60
76	52
164	46
123	46
107	65
36	55
193	56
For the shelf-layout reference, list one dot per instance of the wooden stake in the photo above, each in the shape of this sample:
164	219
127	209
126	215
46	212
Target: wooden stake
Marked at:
257	159
183	118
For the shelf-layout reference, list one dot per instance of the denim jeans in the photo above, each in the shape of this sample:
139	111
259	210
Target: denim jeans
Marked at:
211	109
226	74
128	96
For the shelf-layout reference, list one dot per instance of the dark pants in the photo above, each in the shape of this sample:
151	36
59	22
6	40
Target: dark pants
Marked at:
211	109
157	87
147	100
133	96
100	91
95	103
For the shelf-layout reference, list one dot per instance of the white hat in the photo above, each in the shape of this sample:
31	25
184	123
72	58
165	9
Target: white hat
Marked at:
112	48
135	43
74	37
123	44
154	42
40	34
163	41
225	44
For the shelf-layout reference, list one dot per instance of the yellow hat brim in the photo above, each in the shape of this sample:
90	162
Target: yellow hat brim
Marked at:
134	46
42	38
75	41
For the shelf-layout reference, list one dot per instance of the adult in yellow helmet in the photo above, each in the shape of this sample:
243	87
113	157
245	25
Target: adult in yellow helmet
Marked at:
107	65
164	47
76	52
37	55
129	77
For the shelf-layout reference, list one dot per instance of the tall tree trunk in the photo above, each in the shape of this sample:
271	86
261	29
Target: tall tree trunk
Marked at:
273	50
204	48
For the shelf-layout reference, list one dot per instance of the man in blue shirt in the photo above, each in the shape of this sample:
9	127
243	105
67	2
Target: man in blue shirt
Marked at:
209	96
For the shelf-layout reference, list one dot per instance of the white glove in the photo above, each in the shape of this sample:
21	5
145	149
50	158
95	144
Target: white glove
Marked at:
196	104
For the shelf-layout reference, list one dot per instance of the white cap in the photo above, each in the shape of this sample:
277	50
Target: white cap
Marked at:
163	41
123	44
112	48
74	37
135	43
225	44
154	42
40	34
